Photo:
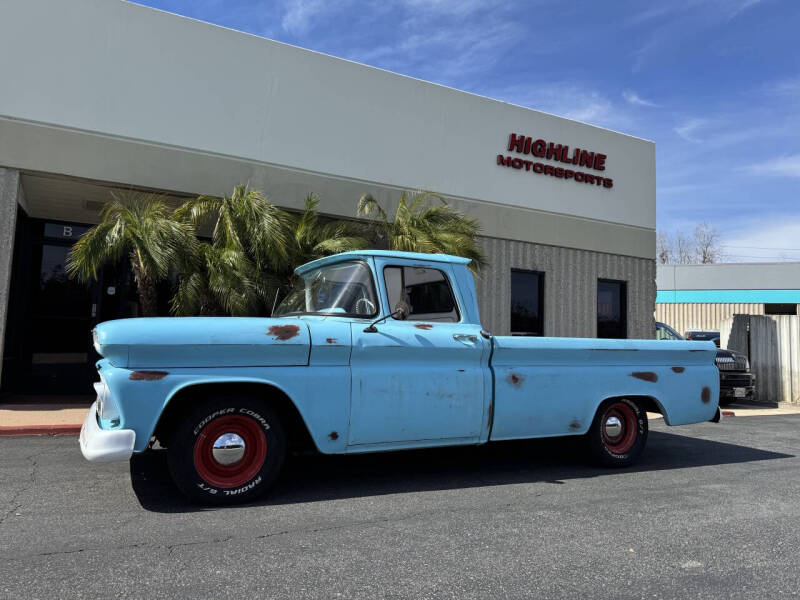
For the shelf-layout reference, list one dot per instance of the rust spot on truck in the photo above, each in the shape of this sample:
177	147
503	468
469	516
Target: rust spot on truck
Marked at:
284	332
575	425
705	395
147	375
515	380
425	326
678	369
331	340
645	376
333	435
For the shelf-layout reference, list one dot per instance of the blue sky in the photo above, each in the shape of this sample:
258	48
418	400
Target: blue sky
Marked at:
715	83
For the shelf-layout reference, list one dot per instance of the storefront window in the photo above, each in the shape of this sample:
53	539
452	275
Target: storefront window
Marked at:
612	309
527	302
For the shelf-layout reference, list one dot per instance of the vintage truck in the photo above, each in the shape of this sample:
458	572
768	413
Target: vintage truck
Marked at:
373	351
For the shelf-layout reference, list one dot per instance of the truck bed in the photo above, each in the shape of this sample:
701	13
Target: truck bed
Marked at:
553	386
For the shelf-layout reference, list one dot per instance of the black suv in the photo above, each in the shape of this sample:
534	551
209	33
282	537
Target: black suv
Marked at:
736	382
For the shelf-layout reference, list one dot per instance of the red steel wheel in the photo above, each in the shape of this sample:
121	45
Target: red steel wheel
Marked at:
230	451
618	433
618	427
226	449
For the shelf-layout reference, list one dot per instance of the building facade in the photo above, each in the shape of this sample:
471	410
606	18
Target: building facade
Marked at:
111	95
701	297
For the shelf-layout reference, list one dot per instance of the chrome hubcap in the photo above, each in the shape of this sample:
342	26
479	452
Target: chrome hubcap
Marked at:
228	449
613	427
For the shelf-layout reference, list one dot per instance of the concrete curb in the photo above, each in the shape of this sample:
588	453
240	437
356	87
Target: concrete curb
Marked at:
14	431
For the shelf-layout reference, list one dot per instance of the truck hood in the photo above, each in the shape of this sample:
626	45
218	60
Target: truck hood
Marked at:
164	342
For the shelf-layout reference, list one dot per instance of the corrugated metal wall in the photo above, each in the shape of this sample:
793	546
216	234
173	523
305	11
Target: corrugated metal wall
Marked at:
685	317
773	346
789	353
570	287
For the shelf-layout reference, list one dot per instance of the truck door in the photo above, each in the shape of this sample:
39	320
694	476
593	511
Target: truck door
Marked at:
423	379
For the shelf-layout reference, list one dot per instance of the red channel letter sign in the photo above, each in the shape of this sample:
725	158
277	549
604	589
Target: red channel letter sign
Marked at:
558	153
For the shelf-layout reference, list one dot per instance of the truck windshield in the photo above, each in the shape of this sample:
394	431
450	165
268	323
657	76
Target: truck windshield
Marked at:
343	289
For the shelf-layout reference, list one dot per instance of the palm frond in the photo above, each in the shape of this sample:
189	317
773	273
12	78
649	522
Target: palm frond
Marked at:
96	247
367	205
424	222
340	244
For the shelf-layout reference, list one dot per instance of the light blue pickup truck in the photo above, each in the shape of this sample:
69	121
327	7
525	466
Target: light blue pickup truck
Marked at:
373	351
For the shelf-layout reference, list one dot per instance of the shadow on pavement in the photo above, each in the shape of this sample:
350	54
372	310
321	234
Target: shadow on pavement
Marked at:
317	477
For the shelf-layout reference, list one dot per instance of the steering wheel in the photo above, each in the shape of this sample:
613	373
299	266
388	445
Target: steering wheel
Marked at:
368	305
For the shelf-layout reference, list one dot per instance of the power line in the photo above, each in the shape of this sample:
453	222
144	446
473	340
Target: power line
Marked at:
784	258
760	248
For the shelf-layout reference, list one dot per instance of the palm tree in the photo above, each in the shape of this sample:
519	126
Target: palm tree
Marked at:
223	281
237	272
138	226
234	277
419	227
245	221
314	238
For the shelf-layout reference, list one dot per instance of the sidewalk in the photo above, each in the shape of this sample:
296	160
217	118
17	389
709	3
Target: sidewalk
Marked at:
54	416
750	410
757	410
43	415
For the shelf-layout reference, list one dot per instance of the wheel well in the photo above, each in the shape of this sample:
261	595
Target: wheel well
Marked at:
297	435
648	403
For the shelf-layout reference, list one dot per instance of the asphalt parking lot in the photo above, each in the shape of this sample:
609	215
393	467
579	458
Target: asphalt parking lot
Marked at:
710	511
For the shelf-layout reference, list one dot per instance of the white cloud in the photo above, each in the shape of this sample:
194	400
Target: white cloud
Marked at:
564	100
446	42
682	189
689	129
742	6
784	87
730	128
652	13
641	55
637	100
763	240
299	14
453	7
784	166
676	21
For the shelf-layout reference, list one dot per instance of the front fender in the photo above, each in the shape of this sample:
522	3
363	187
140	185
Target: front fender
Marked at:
320	394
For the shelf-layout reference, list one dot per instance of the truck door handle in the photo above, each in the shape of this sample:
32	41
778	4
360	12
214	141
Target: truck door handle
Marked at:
465	338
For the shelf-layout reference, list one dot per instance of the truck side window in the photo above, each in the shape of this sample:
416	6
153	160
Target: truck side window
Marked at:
426	291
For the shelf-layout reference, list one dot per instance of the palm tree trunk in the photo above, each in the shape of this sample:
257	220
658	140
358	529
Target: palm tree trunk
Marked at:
148	300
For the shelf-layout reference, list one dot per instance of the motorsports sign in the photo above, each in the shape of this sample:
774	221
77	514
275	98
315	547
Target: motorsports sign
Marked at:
559	154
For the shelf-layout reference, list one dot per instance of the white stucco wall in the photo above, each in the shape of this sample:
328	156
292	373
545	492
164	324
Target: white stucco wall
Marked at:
122	71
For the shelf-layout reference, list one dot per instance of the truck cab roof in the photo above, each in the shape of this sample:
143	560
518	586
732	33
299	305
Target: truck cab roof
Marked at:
355	254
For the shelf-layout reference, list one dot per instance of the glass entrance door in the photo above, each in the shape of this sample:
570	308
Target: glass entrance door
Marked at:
61	317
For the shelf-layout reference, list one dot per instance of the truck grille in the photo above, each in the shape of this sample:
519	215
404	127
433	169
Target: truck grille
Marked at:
727	363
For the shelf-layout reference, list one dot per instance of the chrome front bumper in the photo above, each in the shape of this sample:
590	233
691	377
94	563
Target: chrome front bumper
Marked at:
105	445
